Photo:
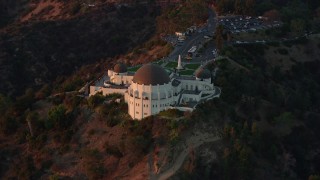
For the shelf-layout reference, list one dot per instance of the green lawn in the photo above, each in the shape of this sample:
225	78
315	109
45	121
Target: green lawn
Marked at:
171	65
134	69
192	66
187	72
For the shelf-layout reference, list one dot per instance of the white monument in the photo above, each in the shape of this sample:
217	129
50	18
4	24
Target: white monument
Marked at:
179	67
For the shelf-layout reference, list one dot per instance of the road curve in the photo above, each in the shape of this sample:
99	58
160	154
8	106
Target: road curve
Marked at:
179	161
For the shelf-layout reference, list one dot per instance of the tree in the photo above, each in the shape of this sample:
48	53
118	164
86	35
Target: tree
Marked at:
245	164
219	37
24	102
272	15
314	177
297	26
56	117
93	164
250	7
239	6
225	6
95	100
294	10
8	124
43	92
4	103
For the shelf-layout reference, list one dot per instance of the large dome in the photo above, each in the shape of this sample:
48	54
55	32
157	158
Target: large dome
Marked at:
202	73
120	68
151	74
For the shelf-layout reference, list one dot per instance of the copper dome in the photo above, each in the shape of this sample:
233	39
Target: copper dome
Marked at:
120	68
151	74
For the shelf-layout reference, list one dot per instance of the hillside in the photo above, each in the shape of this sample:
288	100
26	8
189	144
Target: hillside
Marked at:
265	124
41	51
270	107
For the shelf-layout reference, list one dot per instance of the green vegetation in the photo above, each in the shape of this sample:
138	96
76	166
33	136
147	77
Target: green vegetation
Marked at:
171	113
192	66
171	65
267	116
93	164
57	51
283	51
96	100
186	72
297	15
246	90
182	16
56	117
219	39
237	6
113	150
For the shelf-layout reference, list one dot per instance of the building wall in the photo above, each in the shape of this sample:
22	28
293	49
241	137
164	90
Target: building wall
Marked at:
119	78
146	100
192	84
105	91
191	97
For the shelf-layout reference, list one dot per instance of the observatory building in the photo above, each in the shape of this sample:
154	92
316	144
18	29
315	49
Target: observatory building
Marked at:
152	89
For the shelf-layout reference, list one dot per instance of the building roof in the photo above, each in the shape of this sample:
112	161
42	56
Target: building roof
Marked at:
175	83
202	73
151	74
120	68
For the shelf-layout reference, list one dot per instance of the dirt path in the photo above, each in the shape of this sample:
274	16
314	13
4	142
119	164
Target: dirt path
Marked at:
192	143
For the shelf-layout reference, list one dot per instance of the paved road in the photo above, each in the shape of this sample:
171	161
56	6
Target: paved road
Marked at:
181	158
194	40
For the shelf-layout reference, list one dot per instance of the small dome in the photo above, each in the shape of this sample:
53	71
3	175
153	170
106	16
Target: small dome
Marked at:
120	68
151	74
202	73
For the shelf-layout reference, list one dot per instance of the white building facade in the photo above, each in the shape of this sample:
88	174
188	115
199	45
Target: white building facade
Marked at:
152	89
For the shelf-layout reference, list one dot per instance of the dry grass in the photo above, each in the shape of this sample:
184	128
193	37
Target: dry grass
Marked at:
53	7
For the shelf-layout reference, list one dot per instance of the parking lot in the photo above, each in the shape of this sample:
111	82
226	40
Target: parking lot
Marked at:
203	34
237	24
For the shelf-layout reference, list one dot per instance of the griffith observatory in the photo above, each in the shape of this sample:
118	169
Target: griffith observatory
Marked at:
152	88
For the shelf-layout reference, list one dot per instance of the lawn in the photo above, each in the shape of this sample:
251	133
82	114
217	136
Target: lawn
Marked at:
192	66
134	69
187	72
171	65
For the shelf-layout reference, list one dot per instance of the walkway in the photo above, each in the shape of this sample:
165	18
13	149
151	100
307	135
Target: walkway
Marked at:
191	144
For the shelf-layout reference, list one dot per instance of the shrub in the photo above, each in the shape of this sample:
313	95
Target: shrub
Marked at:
172	113
95	100
8	124
283	51
43	92
113	150
112	121
139	143
56	117
75	8
93	164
